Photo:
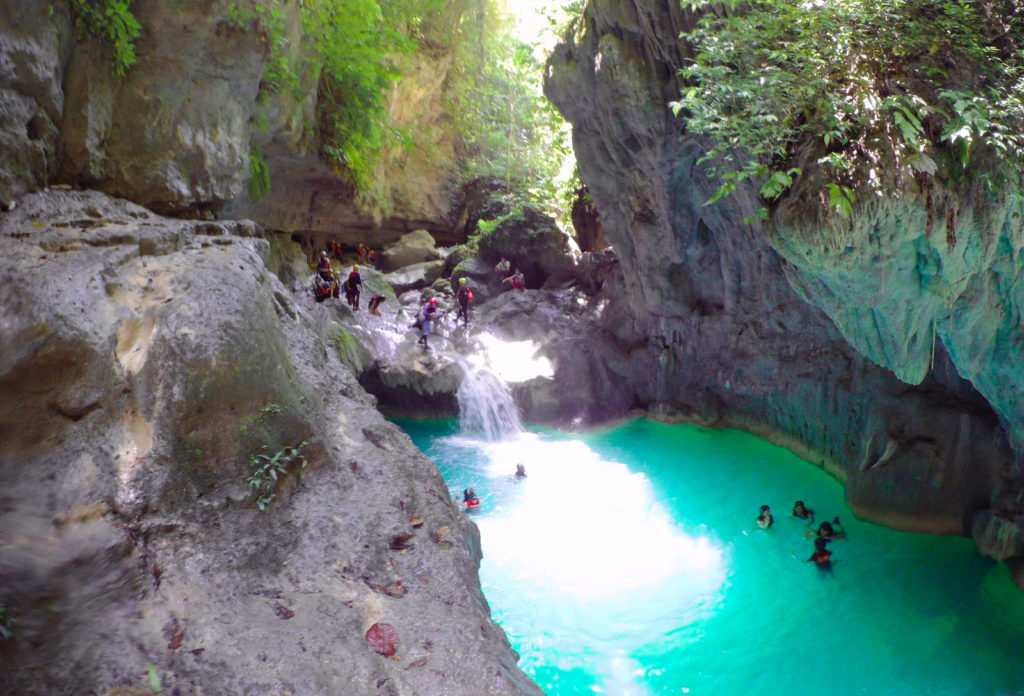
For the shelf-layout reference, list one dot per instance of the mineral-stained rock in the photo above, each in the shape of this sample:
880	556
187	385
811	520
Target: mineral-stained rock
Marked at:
141	390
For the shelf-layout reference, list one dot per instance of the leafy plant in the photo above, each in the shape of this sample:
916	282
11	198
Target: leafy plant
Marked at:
111	20
259	175
267	470
865	87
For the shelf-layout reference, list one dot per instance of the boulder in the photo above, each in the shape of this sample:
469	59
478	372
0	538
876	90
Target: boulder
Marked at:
415	277
411	248
533	242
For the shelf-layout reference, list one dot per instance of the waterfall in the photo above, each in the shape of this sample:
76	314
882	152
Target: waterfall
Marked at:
486	406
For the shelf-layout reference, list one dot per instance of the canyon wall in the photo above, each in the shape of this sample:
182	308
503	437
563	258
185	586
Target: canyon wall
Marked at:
887	354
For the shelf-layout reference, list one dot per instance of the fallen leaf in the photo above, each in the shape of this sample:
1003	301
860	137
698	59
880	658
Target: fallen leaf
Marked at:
383	638
283	611
416	522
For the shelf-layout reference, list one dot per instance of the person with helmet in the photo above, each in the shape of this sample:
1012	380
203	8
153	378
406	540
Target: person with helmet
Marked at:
427	320
353	286
464	297
323	267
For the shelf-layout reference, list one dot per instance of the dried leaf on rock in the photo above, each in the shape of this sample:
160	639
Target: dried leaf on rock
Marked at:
383	638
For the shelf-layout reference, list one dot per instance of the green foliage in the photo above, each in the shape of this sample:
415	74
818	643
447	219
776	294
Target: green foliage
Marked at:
259	175
510	131
111	20
488	227
356	42
266	470
867	86
6	623
155	683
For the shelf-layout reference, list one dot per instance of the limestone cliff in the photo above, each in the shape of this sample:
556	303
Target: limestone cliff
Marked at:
145	362
888	353
177	132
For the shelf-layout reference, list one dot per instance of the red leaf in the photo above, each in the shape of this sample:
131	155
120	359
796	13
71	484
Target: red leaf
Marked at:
383	638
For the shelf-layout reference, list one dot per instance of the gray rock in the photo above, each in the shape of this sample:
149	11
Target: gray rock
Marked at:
143	387
414	277
414	247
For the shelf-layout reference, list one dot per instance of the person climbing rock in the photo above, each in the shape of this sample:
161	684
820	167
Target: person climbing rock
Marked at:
464	297
821	557
375	302
352	287
426	318
516	280
765	519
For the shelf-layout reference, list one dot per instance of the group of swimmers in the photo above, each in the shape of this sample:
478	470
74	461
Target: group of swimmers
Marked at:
826	532
470	497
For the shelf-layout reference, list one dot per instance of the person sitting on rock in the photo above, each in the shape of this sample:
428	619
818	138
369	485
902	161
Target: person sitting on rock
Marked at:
765	519
516	280
375	302
371	257
321	288
464	297
323	267
352	287
504	268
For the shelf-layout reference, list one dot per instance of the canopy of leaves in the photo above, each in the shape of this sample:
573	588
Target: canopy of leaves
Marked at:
873	88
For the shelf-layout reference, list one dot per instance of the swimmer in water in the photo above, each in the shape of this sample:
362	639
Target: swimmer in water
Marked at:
801	512
765	519
520	471
822	557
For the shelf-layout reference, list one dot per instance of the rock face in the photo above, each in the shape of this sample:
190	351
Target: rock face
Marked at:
889	356
177	132
151	361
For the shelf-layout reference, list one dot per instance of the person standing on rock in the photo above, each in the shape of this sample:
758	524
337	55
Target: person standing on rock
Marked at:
464	297
353	286
427	321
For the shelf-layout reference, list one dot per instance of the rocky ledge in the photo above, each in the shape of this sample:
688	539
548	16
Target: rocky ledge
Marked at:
148	362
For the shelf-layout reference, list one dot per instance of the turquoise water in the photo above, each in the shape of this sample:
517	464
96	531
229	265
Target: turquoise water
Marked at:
628	563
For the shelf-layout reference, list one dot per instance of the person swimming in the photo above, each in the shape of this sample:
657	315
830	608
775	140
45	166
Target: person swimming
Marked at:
801	512
765	519
827	532
470	496
822	557
520	471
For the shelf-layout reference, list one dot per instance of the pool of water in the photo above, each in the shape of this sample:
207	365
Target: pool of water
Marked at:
628	562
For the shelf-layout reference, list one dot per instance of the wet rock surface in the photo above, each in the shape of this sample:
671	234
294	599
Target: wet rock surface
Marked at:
151	361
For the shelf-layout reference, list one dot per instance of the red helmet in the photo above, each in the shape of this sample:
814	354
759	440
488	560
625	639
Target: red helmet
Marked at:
433	301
